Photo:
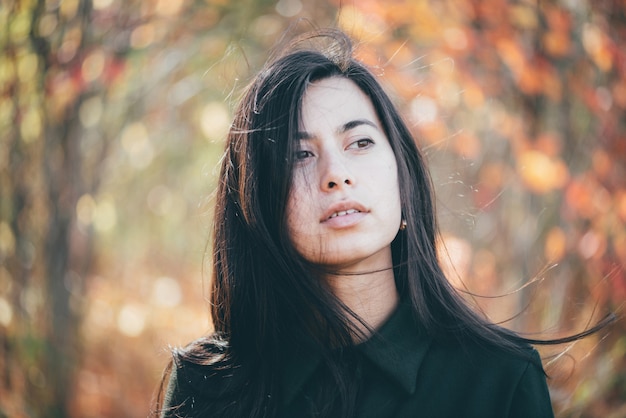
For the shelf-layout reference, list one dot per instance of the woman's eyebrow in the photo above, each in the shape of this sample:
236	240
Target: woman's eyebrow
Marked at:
354	123
342	129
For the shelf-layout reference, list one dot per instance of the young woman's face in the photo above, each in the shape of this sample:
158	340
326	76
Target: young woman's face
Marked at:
344	208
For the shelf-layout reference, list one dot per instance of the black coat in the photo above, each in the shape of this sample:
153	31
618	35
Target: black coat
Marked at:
401	372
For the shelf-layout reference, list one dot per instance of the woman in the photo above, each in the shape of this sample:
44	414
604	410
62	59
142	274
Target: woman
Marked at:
327	295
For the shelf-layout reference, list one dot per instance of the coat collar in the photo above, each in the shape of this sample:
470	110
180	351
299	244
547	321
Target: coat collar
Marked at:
397	350
399	347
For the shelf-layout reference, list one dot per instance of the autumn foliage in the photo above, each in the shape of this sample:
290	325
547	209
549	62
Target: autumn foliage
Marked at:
112	120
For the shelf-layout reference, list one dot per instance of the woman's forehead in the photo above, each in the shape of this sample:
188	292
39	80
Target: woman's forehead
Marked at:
335	100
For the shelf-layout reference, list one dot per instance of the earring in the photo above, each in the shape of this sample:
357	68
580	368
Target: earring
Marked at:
403	225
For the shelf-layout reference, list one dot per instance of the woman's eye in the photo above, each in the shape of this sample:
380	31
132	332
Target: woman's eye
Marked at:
362	143
302	154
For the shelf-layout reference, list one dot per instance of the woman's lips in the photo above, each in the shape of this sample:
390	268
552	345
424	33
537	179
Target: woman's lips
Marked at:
343	214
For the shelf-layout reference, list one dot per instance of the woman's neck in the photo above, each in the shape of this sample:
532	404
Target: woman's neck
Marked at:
371	296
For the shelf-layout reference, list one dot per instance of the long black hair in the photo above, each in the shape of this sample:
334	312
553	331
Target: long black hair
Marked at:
265	298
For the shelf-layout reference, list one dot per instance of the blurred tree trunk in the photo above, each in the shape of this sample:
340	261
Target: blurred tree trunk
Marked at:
62	176
42	182
67	261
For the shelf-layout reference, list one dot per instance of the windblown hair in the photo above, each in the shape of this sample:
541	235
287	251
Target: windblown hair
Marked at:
265	298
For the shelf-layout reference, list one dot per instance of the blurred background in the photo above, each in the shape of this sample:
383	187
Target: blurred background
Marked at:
112	120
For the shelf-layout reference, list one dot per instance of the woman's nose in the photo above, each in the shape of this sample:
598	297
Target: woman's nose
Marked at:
335	174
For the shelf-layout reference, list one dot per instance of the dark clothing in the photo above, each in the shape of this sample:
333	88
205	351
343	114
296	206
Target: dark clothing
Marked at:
403	372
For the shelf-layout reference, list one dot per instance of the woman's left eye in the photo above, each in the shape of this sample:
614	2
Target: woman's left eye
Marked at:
362	143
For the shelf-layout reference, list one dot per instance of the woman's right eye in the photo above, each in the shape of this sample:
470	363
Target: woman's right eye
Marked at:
302	154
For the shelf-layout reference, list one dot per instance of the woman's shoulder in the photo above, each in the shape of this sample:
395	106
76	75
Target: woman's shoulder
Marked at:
471	343
208	350
484	336
202	376
204	362
507	356
509	379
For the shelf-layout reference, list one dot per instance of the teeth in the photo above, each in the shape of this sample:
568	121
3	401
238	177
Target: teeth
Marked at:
343	213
